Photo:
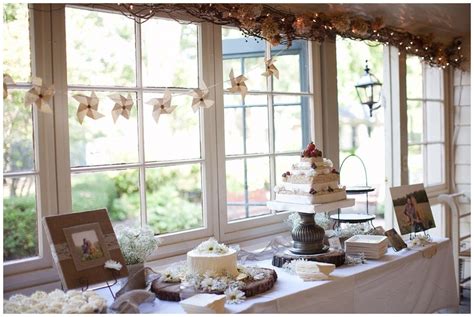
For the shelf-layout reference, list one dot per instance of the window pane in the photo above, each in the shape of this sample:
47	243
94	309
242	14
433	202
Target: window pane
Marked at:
169	54
438	212
20	229
18	152
248	182
293	66
291	116
245	55
415	164
414	77
100	48
176	136
433	82
252	130
115	190
434	122
435	168
16	42
102	141
415	121
174	198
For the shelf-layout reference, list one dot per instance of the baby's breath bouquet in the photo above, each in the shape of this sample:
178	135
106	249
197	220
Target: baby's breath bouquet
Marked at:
136	243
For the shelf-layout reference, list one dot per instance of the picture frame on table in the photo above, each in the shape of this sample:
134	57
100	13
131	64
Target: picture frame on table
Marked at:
395	240
412	208
80	244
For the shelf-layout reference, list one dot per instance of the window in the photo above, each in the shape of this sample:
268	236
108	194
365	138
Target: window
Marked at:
359	133
20	168
265	132
142	171
425	123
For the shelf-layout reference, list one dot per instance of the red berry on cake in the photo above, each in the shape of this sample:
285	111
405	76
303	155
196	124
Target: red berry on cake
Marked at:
311	147
334	171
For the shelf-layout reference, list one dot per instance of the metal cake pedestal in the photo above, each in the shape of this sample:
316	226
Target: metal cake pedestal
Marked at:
307	235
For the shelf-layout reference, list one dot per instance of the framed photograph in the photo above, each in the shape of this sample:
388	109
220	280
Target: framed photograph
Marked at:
395	239
412	208
81	243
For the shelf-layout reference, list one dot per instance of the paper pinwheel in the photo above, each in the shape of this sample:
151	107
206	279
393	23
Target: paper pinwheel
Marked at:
7	80
161	105
87	107
39	95
238	84
270	69
200	98
123	106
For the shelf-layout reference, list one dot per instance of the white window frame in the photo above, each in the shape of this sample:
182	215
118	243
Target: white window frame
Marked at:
258	226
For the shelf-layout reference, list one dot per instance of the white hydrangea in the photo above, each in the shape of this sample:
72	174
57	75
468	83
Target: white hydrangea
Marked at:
136	243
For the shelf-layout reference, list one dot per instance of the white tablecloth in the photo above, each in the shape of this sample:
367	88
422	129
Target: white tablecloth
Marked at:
400	282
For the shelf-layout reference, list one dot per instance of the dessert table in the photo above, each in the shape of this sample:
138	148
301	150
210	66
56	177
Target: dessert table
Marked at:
408	281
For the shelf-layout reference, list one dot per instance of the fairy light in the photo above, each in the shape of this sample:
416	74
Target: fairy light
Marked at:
131	7
391	33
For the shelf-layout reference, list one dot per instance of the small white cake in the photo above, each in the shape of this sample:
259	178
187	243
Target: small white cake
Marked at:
212	257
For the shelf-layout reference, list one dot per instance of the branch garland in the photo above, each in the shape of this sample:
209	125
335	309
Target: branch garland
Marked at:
281	27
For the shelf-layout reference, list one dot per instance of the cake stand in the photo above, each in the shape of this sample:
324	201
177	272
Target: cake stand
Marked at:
307	235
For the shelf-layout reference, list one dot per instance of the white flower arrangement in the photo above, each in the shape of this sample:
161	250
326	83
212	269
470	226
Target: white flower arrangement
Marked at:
234	296
290	267
113	265
136	243
211	246
421	240
56	302
320	218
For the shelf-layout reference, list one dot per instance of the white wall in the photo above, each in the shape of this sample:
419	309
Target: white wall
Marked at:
462	142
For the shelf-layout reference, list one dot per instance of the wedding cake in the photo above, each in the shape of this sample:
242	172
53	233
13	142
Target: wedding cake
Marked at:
312	180
212	257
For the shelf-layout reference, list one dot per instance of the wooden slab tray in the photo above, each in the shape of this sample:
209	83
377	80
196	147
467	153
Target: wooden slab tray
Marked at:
171	291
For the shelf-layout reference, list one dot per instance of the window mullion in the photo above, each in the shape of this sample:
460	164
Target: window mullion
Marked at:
140	123
271	125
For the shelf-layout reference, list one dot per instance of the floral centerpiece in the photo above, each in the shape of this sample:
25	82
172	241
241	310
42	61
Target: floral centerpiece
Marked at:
136	244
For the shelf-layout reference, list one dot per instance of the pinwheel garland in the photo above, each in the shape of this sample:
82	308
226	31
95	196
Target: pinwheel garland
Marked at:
270	69
7	80
200	98
39	95
122	106
87	107
238	84
161	105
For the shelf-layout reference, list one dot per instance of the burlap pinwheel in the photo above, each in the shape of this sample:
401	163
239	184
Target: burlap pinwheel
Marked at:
200	98
39	95
270	69
7	80
87	107
161	105
122	106
238	84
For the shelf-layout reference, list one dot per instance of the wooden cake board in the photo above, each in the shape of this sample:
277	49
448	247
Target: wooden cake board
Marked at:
171	291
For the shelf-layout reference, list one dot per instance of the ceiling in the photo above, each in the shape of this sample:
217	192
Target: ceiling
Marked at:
445	21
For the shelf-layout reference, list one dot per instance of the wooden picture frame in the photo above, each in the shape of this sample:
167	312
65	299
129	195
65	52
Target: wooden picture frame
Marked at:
80	244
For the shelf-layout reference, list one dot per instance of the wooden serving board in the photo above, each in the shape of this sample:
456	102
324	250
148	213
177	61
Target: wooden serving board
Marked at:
334	256
171	291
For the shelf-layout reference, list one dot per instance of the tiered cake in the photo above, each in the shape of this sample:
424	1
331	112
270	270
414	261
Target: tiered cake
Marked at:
212	257
312	180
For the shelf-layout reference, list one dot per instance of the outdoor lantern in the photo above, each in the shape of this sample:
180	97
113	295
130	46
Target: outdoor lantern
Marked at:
368	89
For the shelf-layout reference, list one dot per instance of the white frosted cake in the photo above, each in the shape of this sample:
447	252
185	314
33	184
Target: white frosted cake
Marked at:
212	257
312	180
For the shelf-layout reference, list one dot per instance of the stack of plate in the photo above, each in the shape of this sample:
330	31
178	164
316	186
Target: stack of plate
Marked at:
373	247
